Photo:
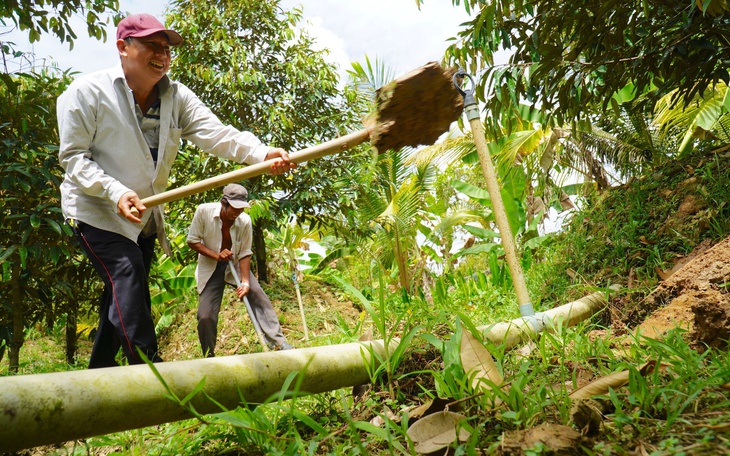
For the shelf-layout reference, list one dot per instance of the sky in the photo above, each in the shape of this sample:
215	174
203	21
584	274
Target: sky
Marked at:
394	31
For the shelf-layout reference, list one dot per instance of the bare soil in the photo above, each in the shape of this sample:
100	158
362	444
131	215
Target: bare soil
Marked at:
556	439
693	296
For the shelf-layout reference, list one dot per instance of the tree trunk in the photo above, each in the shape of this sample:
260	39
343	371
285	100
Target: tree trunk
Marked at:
16	341
259	252
71	335
50	317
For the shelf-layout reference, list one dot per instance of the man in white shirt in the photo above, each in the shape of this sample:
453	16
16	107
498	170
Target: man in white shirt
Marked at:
120	130
222	232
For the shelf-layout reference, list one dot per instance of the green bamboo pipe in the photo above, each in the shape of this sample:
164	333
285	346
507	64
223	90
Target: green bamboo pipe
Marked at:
520	330
44	409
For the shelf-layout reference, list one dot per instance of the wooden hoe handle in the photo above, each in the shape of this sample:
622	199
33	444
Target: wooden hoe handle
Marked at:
330	147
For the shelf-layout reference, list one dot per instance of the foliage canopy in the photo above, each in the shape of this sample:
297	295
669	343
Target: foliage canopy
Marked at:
52	16
567	57
248	61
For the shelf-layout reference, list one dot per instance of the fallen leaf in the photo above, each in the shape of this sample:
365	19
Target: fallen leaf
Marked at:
642	450
616	380
377	421
436	431
429	407
664	275
367	335
646	241
478	363
526	350
566	202
725	427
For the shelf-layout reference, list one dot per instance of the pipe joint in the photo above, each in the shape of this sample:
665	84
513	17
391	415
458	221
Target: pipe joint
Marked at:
535	321
468	94
472	112
526	310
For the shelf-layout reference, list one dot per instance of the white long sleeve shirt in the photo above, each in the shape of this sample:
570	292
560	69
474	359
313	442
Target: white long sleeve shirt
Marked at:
104	153
206	228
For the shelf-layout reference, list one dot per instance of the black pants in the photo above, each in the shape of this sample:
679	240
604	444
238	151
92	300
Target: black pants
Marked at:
125	318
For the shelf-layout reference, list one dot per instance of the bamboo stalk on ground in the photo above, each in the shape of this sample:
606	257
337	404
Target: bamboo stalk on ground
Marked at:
520	330
52	408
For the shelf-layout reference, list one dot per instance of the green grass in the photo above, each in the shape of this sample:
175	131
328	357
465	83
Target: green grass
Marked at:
681	407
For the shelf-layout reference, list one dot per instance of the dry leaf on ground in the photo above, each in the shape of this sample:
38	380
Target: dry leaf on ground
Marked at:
478	363
436	431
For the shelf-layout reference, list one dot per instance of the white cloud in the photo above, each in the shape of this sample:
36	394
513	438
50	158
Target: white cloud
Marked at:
394	31
327	39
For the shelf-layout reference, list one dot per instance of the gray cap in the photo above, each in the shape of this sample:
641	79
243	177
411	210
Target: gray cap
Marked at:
236	195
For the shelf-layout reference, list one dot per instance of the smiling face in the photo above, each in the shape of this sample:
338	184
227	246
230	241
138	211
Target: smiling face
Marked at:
145	59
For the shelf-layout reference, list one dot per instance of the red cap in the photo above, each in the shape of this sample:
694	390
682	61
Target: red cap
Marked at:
141	25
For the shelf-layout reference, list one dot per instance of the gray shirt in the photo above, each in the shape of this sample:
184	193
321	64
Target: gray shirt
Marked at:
104	153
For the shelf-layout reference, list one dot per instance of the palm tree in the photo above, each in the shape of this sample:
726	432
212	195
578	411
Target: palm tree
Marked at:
704	119
393	205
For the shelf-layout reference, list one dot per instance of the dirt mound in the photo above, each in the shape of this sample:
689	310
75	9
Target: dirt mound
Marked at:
694	297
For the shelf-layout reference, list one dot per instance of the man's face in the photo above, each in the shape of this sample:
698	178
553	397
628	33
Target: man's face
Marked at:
149	56
230	213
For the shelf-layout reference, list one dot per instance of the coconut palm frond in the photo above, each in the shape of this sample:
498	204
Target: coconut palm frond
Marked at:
459	217
723	128
444	153
691	121
370	77
520	144
612	150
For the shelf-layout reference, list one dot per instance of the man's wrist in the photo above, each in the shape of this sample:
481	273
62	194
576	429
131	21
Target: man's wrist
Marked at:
245	284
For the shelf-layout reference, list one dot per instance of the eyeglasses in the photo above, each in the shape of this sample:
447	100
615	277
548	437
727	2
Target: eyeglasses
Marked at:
154	46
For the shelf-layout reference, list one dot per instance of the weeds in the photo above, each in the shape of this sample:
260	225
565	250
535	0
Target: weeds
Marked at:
680	406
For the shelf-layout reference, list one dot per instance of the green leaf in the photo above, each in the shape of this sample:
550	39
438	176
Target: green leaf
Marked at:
23	251
197	390
478	249
9	83
481	233
475	193
7	252
627	93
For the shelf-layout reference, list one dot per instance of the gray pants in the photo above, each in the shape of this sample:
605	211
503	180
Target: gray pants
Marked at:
209	305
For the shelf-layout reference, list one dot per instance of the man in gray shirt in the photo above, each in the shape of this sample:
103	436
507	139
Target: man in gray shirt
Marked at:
220	233
120	130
